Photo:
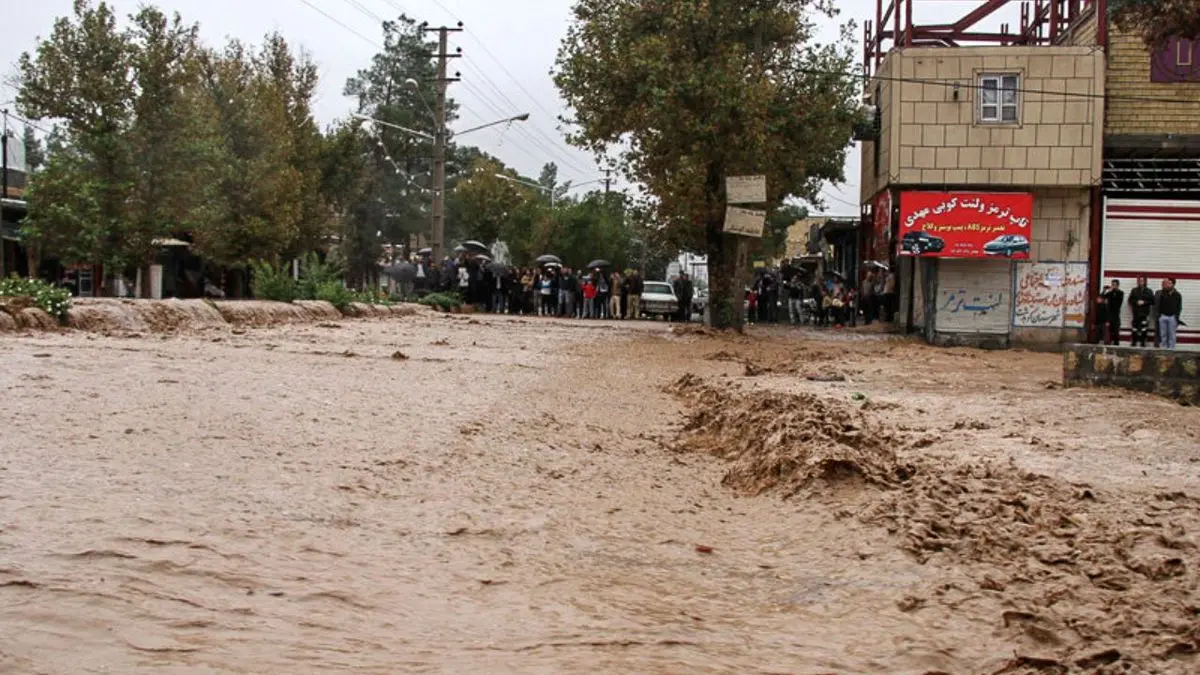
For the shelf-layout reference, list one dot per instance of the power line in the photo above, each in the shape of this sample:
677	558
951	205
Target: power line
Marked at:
357	5
329	16
28	123
514	79
953	84
484	98
839	200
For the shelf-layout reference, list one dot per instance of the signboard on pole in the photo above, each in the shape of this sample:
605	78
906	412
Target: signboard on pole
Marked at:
746	222
745	190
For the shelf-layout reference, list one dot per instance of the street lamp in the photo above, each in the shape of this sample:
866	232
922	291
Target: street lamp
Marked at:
509	120
533	185
411	132
416	87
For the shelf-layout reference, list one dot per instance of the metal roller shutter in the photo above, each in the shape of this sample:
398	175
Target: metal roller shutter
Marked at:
1154	238
974	296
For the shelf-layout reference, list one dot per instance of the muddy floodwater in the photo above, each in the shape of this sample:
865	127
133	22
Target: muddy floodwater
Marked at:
490	495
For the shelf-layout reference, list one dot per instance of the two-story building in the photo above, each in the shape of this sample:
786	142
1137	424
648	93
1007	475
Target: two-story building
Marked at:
990	167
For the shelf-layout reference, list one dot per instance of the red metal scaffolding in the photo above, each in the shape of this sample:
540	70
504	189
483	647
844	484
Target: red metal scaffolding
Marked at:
1042	22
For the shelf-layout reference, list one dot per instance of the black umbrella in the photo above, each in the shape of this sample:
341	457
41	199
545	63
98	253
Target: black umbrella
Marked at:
425	251
498	269
549	258
459	249
598	263
401	271
477	247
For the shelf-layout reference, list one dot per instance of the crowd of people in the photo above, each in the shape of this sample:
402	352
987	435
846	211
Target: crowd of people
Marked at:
547	290
821	300
1153	311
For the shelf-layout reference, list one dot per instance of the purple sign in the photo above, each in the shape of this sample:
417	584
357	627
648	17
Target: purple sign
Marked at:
1177	61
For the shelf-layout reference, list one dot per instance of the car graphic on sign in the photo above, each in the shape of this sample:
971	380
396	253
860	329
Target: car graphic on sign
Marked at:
1007	245
917	243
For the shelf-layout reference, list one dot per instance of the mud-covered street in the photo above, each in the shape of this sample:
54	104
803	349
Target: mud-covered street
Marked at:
490	494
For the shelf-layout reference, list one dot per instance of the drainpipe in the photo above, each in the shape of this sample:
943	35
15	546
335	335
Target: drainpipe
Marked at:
1095	241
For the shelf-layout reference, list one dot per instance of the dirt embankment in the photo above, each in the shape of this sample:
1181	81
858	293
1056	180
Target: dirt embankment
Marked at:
112	315
1082	581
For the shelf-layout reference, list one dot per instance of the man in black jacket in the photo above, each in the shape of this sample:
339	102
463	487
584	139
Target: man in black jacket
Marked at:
684	293
1141	302
1170	306
1113	298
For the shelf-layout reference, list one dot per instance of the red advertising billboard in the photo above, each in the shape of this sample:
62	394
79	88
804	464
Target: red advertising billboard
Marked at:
966	224
882	230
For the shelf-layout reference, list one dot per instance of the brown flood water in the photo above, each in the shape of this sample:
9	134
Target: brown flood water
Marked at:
542	496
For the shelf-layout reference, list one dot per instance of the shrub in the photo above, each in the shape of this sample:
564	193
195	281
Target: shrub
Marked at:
443	301
54	300
271	282
335	293
316	274
373	297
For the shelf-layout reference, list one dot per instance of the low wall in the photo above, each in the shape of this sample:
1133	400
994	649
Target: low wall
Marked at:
103	315
1173	374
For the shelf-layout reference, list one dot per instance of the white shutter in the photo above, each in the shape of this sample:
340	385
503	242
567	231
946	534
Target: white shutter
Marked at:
974	296
1156	238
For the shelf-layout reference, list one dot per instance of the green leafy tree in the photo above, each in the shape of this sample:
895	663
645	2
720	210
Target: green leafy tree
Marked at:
170	187
35	151
482	203
691	92
80	74
1157	20
393	204
260	176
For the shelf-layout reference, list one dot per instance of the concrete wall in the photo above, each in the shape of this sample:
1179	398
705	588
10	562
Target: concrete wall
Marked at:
1172	374
872	177
1129	76
1057	140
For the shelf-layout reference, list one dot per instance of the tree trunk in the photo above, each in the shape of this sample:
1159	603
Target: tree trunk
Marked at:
726	294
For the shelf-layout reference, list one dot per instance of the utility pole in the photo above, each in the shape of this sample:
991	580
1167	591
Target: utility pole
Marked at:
4	151
4	195
607	180
439	139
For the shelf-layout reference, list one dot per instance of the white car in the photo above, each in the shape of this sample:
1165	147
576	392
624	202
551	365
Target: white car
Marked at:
658	299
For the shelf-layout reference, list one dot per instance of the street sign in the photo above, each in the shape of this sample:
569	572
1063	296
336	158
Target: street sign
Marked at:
746	222
745	189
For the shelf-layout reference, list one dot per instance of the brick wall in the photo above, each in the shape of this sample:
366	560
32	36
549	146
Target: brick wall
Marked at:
1167	373
1129	76
1056	142
1083	32
1060	224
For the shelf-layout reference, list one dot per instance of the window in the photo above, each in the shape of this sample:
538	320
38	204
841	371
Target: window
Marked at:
998	98
1183	53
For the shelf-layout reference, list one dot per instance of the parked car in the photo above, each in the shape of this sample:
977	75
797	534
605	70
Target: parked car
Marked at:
658	299
917	243
1006	245
699	302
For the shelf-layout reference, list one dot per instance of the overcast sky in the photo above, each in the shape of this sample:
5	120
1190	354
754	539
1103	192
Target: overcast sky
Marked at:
509	48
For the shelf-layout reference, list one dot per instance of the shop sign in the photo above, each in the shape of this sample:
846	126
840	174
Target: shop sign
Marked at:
965	225
882	230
